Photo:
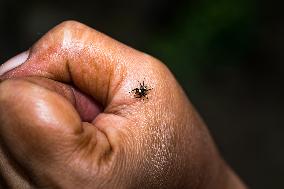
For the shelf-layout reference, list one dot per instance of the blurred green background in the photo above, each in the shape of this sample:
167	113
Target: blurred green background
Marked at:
227	54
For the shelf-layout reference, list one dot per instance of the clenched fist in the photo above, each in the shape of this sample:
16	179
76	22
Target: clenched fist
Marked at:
81	110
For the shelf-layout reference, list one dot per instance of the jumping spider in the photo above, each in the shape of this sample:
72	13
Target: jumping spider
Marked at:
142	91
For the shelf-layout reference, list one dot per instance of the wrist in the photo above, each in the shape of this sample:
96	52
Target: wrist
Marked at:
233	180
226	178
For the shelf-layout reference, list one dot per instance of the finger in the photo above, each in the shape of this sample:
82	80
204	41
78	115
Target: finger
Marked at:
14	62
73	52
86	107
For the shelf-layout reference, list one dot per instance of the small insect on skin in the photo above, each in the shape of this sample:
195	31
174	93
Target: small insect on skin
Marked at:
142	91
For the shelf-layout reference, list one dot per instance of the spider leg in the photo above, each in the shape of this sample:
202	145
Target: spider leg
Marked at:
134	89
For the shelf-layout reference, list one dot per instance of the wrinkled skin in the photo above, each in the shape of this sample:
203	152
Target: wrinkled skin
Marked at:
67	120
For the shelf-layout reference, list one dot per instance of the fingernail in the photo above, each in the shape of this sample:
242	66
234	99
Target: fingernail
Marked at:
14	62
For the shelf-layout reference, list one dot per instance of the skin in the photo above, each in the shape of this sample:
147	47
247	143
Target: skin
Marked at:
67	120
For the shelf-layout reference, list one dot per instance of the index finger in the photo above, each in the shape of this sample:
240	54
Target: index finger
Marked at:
93	62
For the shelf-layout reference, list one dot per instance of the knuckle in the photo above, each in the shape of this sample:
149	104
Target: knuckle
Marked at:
159	66
71	25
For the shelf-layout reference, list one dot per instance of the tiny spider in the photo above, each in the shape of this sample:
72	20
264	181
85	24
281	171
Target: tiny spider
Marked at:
142	91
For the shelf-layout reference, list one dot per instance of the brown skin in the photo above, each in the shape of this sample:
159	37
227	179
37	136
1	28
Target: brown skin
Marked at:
55	135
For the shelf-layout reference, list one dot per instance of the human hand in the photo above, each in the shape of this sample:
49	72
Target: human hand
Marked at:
69	119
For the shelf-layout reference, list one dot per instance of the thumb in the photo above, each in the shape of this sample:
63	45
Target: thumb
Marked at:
31	123
42	131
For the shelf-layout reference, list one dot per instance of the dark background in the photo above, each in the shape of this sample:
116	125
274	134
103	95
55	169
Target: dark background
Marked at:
227	54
